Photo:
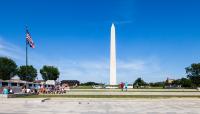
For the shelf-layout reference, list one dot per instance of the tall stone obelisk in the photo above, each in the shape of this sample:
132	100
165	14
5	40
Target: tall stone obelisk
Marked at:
112	56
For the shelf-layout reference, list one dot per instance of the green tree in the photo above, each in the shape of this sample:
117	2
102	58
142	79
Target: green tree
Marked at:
90	84
49	73
157	84
8	68
193	73
27	73
139	82
186	82
177	82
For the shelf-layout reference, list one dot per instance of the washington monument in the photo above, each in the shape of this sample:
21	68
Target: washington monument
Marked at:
112	56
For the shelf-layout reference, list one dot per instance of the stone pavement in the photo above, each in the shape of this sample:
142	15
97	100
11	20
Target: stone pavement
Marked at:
100	106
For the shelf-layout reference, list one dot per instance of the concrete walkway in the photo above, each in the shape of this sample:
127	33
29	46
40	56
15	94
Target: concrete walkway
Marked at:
100	106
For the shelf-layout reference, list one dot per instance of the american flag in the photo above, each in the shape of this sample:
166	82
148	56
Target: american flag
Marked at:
29	39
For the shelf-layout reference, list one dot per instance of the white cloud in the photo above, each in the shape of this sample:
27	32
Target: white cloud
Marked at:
85	70
10	50
131	65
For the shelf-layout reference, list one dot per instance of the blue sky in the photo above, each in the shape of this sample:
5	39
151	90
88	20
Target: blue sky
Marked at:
155	39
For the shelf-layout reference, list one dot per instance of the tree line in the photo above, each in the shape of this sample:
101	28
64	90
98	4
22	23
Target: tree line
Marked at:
8	69
192	79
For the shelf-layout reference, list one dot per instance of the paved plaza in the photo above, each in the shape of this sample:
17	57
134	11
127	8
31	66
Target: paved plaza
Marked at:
100	106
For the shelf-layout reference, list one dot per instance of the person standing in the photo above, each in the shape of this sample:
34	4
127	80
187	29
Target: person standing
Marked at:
126	86
120	85
5	91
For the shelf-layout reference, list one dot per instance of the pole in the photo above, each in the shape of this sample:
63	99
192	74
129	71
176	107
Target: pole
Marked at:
26	53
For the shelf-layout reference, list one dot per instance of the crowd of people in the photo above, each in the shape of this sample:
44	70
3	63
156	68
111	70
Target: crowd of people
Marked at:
57	89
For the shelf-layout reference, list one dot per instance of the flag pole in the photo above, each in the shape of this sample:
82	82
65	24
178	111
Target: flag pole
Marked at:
26	54
26	51
29	42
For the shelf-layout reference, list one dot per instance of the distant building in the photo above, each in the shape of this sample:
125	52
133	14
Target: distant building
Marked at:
39	81
169	84
169	81
70	82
